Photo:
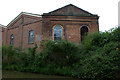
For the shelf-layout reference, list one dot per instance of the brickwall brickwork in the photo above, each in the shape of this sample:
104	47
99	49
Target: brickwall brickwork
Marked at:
43	27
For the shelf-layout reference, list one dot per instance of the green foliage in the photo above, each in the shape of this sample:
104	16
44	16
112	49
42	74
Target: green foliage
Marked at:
65	70
116	34
97	57
9	54
95	40
103	63
32	51
61	53
100	55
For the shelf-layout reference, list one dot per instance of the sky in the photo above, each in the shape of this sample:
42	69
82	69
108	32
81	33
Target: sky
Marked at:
106	9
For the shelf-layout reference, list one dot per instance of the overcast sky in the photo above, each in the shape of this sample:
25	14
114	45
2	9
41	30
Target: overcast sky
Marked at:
106	9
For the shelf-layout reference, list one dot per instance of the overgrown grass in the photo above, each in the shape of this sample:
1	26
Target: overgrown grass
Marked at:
97	57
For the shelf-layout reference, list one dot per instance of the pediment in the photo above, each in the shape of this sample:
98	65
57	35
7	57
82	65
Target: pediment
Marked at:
69	10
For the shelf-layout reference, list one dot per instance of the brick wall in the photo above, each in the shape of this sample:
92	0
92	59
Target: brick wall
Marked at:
71	26
20	29
43	29
70	17
37	34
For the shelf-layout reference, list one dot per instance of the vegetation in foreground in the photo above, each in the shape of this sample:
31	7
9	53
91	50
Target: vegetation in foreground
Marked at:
97	57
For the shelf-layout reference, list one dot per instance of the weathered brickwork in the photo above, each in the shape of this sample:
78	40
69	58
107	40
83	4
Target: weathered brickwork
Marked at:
70	17
37	34
71	26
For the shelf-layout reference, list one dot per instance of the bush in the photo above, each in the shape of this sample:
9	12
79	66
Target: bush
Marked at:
95	40
116	34
9	54
97	57
62	53
101	64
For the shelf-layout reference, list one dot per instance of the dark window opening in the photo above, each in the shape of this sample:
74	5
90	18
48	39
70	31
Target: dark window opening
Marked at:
84	31
12	39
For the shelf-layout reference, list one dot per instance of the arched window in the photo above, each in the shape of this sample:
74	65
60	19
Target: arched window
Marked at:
84	31
31	36
12	39
57	34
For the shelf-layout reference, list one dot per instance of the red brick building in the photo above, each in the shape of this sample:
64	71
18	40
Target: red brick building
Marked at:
68	22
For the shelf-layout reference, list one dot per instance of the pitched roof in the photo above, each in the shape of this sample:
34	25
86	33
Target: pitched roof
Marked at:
70	10
25	13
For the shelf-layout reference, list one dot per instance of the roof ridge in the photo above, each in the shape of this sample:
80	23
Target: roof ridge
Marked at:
81	9
60	8
32	14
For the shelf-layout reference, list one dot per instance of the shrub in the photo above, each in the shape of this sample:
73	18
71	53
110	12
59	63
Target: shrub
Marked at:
116	34
97	57
94	40
62	53
9	54
65	70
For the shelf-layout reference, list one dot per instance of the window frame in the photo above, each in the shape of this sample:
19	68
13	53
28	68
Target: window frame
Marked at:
12	39
61	35
29	40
